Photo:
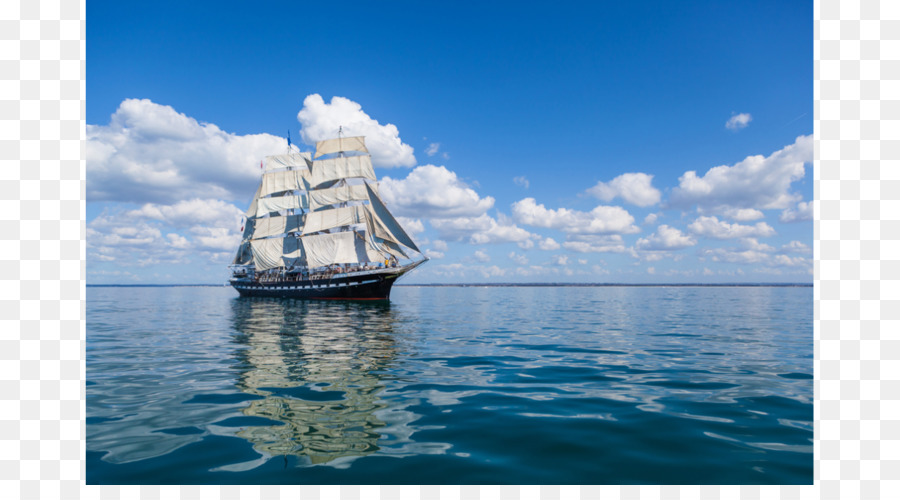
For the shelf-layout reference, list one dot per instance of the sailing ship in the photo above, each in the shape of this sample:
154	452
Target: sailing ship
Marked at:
317	229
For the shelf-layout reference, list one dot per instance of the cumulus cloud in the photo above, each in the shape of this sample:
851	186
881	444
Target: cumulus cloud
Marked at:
210	228
433	192
151	153
600	220
192	213
743	214
796	247
634	188
594	243
433	148
739	121
521	181
483	229
321	120
712	227
665	238
755	182
481	256
548	244
413	226
803	211
518	259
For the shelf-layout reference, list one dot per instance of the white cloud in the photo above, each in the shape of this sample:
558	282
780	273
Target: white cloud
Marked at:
754	244
743	214
600	220
521	181
804	211
594	243
151	153
712	227
483	229
651	219
434	192
190	213
440	245
737	122
796	247
518	259
481	256
560	260
548	244
665	238
433	148
412	226
736	255
434	254
634	188
321	121
755	182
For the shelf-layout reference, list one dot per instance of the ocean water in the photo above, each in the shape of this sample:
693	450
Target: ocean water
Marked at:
452	385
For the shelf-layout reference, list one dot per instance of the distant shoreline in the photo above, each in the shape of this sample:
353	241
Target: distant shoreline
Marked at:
510	285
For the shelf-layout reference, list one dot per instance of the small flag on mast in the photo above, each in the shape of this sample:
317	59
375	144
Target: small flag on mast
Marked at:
260	164
289	139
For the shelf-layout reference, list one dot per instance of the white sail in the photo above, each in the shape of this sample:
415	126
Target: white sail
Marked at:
273	226
330	248
320	198
366	252
295	160
267	253
385	226
336	217
341	144
278	203
285	180
341	168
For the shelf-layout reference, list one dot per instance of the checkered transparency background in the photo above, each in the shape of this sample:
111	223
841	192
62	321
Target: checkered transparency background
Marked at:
42	272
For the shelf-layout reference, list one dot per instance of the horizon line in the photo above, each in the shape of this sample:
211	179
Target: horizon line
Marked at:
548	284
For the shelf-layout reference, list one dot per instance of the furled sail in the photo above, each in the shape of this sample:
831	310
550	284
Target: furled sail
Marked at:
341	144
343	167
296	160
330	248
320	198
336	217
384	225
285	180
273	226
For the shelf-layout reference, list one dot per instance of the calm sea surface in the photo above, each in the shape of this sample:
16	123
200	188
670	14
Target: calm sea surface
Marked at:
452	385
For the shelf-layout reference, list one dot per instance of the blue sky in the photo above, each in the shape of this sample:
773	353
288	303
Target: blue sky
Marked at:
549	142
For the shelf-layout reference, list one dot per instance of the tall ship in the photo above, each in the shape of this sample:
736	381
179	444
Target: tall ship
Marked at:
317	229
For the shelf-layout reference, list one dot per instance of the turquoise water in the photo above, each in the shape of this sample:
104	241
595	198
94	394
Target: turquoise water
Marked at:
452	385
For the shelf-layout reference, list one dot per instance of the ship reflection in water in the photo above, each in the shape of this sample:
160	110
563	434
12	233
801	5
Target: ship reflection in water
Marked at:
316	367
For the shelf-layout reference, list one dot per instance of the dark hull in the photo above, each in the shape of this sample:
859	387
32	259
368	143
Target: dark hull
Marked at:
345	288
367	285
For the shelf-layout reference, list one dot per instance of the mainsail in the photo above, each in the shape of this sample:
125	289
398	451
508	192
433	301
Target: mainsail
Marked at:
311	213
